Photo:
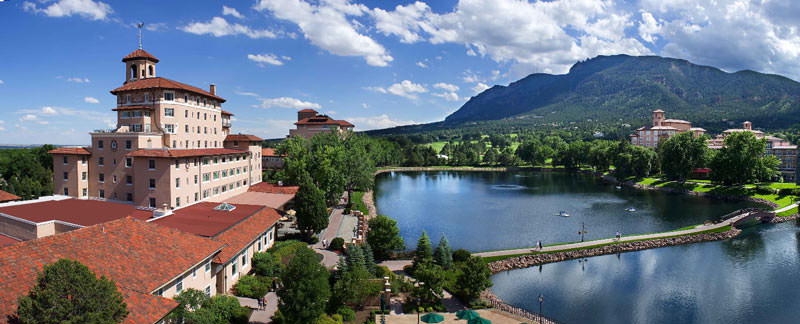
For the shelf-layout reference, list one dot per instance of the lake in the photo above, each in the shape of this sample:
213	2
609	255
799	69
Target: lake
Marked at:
482	211
752	278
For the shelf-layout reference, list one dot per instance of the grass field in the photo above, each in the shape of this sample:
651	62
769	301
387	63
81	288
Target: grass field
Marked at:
358	203
747	190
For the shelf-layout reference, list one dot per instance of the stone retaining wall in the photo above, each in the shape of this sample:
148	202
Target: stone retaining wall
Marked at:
779	219
525	261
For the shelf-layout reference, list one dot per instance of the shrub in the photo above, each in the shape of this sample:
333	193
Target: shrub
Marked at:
346	313
461	255
252	286
285	250
265	264
764	190
383	271
786	191
337	244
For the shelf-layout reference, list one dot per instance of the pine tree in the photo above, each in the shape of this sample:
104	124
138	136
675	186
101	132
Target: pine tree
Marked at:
369	258
341	268
355	257
443	255
423	253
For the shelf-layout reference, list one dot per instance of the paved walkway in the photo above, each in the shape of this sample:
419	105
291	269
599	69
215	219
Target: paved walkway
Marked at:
555	248
261	316
786	208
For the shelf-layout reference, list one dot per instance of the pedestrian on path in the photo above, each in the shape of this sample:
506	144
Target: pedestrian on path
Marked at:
539	244
264	302
260	304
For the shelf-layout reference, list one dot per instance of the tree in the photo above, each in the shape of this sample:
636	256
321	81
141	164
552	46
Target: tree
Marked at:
265	264
681	154
534	152
741	160
443	255
353	288
423	252
384	237
473	278
312	214
252	286
68	292
189	301
491	156
195	307
304	290
355	257
432	279
369	258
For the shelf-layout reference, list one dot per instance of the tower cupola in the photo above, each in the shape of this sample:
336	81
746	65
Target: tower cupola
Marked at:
139	64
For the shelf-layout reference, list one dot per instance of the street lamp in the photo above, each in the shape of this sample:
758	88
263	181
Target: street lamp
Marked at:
541	299
418	301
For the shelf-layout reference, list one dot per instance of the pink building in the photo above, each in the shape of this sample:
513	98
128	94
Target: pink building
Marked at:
662	129
310	123
780	148
171	146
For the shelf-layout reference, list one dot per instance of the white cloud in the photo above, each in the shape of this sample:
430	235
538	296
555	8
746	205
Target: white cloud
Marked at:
220	27
404	21
446	86
231	11
376	89
1	82
48	111
266	58
422	65
406	89
480	87
78	80
364	105
288	102
377	122
94	10
28	117
155	26
450	91
245	93
91	100
649	27
326	25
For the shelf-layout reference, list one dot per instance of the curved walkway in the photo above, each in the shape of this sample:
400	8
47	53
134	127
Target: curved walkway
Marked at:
586	244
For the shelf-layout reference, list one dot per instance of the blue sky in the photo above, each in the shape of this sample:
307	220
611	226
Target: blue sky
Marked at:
375	63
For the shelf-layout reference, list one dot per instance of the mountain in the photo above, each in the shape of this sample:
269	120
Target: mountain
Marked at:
622	88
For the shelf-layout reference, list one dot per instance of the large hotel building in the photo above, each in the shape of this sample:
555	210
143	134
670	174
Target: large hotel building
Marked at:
172	146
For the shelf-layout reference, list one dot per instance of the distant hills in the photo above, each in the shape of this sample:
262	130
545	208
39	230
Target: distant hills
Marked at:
625	89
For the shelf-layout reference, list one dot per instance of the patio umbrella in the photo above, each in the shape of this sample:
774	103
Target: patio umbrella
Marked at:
479	320
467	314
432	318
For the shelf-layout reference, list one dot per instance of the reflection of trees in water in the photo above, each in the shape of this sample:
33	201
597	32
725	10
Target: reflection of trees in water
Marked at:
744	247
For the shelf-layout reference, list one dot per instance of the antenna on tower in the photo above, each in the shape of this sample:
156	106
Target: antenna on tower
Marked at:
140	25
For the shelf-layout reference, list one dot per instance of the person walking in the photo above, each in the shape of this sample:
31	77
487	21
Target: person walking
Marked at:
260	304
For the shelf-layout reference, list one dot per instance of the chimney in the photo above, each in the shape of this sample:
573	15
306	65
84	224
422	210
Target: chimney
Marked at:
213	89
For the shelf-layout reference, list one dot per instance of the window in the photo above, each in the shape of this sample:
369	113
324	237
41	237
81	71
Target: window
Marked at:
83	192
233	269
205	177
186	98
66	176
128	162
146	97
128	98
215	117
208	290
194	273
101	177
179	285
196	196
169	128
151	164
100	161
101	193
128	144
65	160
206	161
186	130
83	175
205	130
177	182
100	144
259	245
177	164
129	196
169	112
244	259
152	203
66	191
169	96
204	102
195	181
205	116
152	183
178	202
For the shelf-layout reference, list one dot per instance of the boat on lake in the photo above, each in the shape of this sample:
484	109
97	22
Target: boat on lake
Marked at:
630	209
563	214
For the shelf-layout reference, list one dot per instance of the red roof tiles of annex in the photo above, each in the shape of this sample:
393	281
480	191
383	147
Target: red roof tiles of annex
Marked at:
267	187
138	54
7	240
242	234
323	120
5	196
267	151
201	218
138	256
163	83
179	153
83	212
70	151
243	138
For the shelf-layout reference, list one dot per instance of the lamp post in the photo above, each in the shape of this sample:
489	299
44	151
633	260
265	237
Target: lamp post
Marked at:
541	299
418	300
385	299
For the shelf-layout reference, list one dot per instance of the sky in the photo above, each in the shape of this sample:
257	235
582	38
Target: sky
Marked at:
376	64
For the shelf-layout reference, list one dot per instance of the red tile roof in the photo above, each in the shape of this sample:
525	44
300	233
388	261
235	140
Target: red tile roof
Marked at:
203	220
243	138
83	212
227	113
266	187
70	150
7	240
266	151
136	107
178	153
245	232
5	196
162	83
138	54
138	256
308	110
323	120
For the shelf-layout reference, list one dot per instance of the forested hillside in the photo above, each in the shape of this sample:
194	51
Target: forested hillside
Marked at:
27	172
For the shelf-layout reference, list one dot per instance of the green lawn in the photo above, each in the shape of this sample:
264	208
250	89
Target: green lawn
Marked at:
747	190
358	203
789	212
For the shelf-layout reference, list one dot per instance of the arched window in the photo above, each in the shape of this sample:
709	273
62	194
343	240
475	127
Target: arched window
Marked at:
134	72
150	68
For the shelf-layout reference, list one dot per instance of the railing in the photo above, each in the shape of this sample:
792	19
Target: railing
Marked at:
539	318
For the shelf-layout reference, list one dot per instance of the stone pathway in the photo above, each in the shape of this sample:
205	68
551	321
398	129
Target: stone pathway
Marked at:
562	247
261	316
786	208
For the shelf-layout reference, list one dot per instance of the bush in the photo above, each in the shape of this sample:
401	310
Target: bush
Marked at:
383	271
284	251
461	255
346	313
252	286
337	244
764	190
265	264
786	191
